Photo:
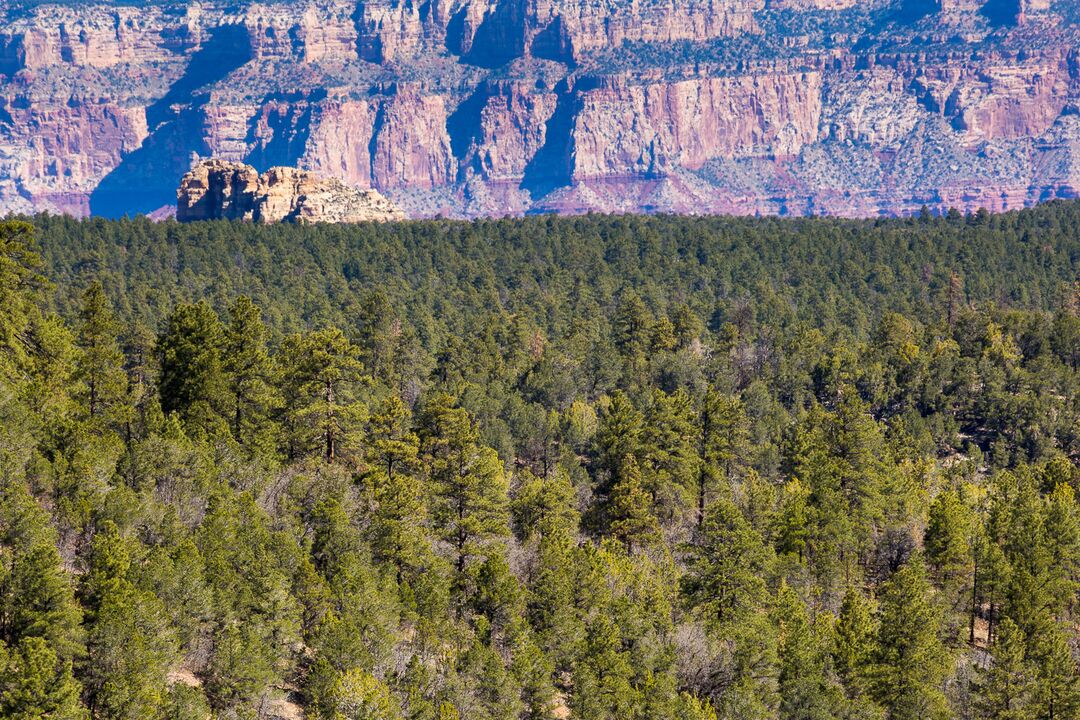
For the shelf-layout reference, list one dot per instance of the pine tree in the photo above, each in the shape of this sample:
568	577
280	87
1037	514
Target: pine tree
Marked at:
1062	523
49	370
193	382
446	711
618	435
602	675
365	611
858	446
376	335
544	506
129	640
392	446
688	324
141	394
99	365
36	595
910	661
832	540
40	622
753	669
249	374
1056	694
954	300
1005	686
669	454
398	521
321	379
241	665
186	703
174	572
993	570
792	521
723	445
551	610
358	695
948	541
804	690
470	492
853	645
484	689
256	619
948	537
400	509
629	509
757	500
726	565
1028	592
631	325
533	672
20	287
36	685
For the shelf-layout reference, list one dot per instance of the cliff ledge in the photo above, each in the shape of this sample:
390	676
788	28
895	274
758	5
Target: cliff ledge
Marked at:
218	189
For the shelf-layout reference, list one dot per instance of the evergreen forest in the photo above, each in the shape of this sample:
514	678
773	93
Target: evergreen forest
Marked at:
587	468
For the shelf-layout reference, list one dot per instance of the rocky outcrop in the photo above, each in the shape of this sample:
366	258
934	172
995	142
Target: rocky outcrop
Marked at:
217	190
484	107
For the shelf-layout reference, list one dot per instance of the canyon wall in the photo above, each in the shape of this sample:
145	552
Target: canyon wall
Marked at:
466	108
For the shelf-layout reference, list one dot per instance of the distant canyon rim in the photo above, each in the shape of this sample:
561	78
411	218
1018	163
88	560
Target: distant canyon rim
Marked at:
465	108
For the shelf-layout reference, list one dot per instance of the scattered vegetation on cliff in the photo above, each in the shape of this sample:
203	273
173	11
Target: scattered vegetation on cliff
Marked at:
601	467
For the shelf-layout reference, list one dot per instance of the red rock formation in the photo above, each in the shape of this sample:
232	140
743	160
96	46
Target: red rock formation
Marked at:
94	37
1000	98
806	4
340	141
411	146
388	30
310	33
584	26
512	127
644	129
52	156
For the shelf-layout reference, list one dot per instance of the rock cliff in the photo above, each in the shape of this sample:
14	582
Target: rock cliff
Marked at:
221	190
470	107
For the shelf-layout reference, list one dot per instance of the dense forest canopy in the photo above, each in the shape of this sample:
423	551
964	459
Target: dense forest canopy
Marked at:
601	468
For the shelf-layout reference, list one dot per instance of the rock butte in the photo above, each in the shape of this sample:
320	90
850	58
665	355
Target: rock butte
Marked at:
221	190
469	108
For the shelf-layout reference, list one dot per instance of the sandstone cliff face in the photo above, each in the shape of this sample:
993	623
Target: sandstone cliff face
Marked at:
509	129
93	37
216	189
304	33
411	145
581	26
50	155
475	107
811	4
1000	98
628	130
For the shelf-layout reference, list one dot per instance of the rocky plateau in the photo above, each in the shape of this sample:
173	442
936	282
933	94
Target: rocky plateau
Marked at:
471	108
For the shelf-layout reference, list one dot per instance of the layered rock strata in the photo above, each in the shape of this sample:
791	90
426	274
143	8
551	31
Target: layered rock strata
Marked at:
466	108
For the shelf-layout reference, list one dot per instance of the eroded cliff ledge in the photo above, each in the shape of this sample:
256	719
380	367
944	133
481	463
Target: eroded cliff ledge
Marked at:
221	190
470	107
